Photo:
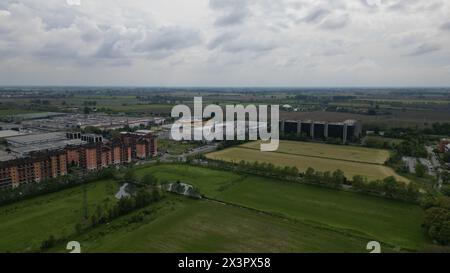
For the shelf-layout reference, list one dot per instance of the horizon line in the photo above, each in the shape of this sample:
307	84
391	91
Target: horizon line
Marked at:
222	86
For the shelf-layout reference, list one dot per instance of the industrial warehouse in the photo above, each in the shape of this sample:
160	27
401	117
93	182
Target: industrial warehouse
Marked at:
348	130
36	157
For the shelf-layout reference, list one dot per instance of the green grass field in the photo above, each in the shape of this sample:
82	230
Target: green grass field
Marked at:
365	216
389	221
303	155
183	225
253	214
210	182
24	225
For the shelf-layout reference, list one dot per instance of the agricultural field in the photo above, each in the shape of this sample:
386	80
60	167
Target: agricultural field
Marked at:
7	112
24	225
251	214
349	153
322	157
312	219
132	108
344	212
183	225
398	118
347	212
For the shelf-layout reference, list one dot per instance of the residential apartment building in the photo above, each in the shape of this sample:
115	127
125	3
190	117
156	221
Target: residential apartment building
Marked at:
90	154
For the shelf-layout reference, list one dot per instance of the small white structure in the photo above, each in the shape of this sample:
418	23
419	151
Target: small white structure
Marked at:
410	163
122	193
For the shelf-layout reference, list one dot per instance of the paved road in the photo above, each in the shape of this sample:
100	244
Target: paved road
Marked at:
168	158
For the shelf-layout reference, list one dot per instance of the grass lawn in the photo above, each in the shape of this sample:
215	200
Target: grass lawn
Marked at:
184	225
351	153
371	171
24	225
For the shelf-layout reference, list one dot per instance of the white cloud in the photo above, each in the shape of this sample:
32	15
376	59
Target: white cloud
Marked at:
74	2
210	42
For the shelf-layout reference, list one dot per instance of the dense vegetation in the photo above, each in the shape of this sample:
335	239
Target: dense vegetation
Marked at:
437	219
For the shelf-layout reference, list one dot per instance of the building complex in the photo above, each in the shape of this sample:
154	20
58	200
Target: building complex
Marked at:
36	157
348	130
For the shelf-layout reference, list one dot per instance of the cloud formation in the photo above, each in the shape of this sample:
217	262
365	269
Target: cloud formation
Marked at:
225	42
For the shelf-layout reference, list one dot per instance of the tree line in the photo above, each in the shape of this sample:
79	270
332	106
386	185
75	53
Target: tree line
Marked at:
145	193
28	190
387	188
437	218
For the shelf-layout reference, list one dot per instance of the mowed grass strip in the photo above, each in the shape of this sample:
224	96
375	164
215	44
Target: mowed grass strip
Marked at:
188	226
392	222
371	171
350	153
24	225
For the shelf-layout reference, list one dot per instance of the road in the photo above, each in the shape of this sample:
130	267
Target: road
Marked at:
436	164
168	158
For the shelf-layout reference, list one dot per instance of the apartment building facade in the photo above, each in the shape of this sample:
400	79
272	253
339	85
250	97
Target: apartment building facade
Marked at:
35	168
89	156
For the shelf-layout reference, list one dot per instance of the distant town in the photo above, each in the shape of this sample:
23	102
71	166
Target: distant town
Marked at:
371	162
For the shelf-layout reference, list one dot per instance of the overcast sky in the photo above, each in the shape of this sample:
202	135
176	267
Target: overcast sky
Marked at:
225	42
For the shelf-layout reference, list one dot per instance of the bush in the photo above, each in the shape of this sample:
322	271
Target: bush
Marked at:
48	243
446	190
437	224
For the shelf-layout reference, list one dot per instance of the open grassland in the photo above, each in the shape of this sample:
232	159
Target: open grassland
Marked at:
211	182
24	225
388	221
183	225
251	214
350	153
371	171
392	222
